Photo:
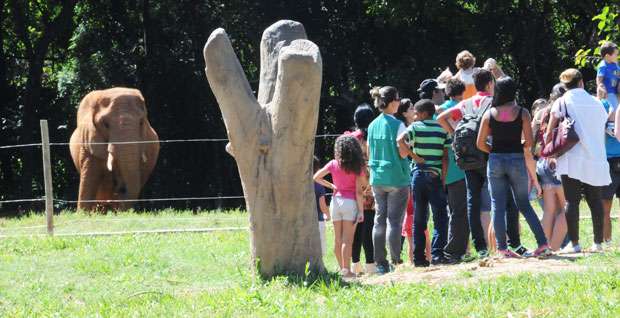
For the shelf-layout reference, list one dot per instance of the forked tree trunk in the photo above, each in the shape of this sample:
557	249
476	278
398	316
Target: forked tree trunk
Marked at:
272	140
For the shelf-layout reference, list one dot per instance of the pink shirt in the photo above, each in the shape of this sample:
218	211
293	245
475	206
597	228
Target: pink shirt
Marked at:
344	182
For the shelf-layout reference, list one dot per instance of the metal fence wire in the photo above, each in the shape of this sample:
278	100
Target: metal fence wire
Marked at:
49	197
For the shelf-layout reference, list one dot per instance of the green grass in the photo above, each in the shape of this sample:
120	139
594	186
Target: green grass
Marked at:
209	274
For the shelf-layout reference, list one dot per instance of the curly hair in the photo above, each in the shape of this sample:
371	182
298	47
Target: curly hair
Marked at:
348	152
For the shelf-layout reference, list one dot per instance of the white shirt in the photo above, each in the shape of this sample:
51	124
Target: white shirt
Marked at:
587	160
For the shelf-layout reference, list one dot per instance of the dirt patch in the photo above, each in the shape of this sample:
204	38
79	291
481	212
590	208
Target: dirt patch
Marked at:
485	269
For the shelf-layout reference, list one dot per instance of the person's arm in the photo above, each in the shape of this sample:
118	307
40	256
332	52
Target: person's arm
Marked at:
553	121
535	128
530	164
319	177
360	182
324	208
601	90
484	132
444	119
403	147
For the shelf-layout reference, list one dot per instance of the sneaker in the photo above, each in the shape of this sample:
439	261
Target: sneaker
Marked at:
521	250
346	273
483	254
423	263
435	261
508	254
451	260
596	248
370	268
542	251
357	268
608	244
381	269
570	248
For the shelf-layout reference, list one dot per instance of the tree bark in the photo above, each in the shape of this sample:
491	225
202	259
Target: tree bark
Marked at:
272	141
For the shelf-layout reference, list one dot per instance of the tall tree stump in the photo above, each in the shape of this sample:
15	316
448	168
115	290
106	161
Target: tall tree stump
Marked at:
272	139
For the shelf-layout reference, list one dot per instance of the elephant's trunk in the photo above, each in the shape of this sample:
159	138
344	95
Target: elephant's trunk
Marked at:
125	164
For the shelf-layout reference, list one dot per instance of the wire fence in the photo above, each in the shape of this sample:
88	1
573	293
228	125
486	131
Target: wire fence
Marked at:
50	200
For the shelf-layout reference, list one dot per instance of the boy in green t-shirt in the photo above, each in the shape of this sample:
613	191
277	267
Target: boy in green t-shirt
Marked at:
428	146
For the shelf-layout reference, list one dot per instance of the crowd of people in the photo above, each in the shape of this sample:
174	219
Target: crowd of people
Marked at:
468	152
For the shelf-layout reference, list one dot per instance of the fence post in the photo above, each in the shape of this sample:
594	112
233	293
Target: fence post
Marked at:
47	177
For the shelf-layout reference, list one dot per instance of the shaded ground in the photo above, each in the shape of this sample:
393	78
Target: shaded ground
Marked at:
478	270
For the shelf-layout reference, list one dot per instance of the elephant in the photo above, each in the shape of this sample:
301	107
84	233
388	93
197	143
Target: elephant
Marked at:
110	167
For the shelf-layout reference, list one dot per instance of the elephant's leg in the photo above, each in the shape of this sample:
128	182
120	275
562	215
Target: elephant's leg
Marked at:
91	174
106	192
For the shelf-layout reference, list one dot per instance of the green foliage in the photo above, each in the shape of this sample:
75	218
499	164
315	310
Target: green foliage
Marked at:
608	30
156	46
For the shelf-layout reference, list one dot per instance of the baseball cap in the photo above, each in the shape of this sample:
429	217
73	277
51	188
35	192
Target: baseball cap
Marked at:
428	85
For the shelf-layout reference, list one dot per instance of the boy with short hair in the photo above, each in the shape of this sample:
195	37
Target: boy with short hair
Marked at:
607	75
427	143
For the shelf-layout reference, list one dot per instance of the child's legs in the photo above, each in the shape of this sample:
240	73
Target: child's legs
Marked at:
428	249
338	229
420	216
369	219
410	248
438	202
560	228
550	207
358	239
485	219
348	230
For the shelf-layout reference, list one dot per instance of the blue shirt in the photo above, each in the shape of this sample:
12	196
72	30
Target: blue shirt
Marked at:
610	73
612	145
319	191
454	173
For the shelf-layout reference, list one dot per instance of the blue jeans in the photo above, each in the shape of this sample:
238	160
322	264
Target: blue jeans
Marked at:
390	205
508	170
427	188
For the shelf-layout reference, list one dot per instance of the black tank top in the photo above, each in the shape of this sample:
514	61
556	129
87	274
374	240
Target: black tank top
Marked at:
507	135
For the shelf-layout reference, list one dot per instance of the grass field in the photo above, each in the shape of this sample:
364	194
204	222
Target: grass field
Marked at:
208	274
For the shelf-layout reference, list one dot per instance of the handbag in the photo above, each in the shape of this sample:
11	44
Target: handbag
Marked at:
563	138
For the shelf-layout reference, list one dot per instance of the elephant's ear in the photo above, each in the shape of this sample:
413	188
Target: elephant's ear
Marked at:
150	151
93	139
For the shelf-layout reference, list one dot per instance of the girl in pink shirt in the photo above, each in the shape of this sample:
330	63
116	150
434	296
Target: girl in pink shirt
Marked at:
346	207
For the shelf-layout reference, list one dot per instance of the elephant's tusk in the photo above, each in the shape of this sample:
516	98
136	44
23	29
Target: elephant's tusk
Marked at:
110	162
144	158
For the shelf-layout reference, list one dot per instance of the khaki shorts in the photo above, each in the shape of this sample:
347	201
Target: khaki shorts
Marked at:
343	209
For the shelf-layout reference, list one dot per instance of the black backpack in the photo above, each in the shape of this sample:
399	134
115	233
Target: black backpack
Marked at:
466	153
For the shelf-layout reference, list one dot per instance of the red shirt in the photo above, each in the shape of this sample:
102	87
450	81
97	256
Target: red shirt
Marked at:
456	112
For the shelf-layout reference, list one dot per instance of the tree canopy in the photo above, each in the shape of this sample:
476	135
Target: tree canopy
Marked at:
54	52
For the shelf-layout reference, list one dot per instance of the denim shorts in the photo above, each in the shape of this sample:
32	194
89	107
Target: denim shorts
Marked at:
343	209
546	175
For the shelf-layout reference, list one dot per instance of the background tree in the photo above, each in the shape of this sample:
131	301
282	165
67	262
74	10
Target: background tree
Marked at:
155	46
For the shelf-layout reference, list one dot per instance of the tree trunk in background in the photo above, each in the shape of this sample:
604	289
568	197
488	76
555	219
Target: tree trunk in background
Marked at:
273	142
36	51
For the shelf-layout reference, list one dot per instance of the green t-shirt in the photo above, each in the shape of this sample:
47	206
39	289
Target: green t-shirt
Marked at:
454	173
428	140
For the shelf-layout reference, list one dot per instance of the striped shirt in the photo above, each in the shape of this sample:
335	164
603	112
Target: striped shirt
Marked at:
428	140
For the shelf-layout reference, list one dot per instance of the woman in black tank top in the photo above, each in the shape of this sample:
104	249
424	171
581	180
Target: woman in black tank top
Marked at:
507	124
